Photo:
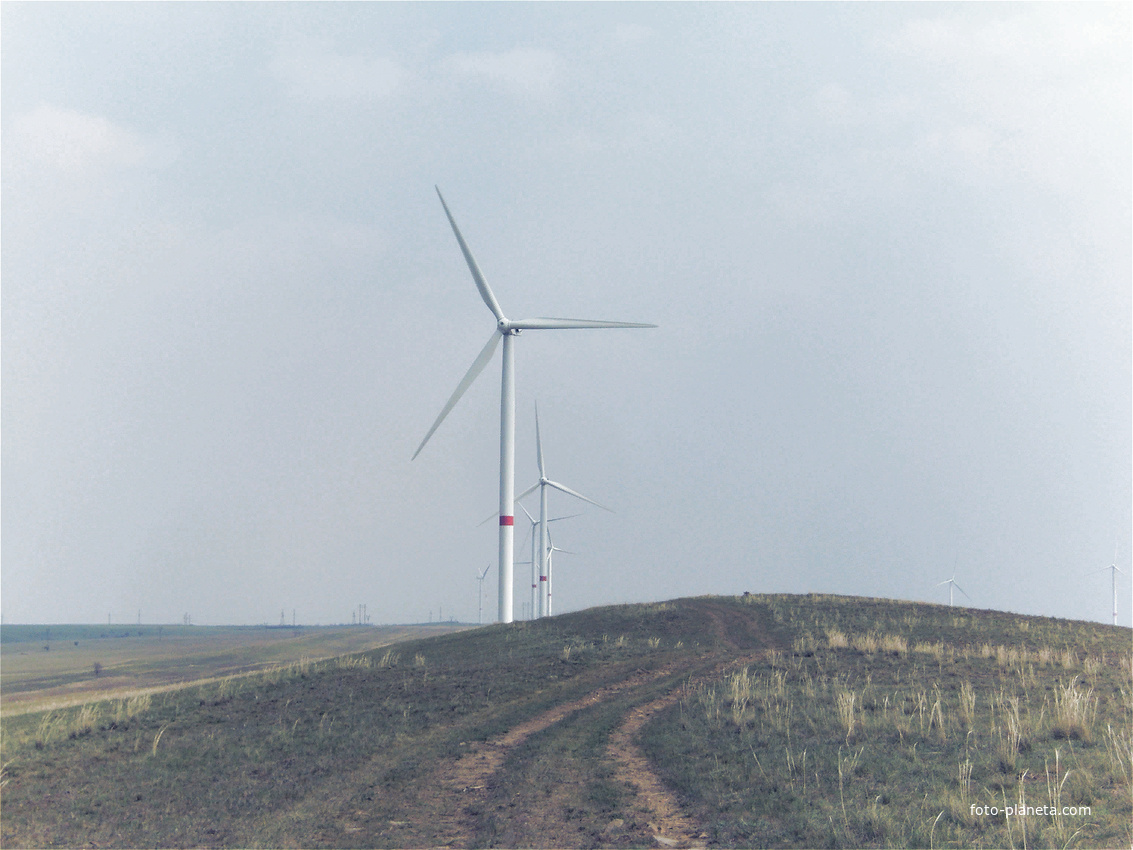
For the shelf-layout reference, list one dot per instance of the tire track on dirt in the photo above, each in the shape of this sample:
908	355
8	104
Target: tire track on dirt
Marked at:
471	778
657	804
457	802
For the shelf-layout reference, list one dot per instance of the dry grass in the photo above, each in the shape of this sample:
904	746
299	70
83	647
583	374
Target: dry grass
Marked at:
935	649
354	662
1119	752
967	704
389	659
85	719
157	739
846	714
1075	709
836	639
867	643
994	708
1008	730
895	644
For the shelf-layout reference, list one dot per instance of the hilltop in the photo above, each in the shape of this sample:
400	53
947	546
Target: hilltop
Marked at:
777	721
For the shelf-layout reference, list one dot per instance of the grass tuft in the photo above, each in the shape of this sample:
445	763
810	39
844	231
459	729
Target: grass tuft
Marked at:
1075	710
157	739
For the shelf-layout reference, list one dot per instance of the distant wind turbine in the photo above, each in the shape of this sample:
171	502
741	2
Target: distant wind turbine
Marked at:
480	593
1114	570
506	329
952	585
534	561
551	549
544	533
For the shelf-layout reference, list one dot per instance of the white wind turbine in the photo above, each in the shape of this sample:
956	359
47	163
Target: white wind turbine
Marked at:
531	533
1114	570
506	329
544	533
551	550
952	585
480	592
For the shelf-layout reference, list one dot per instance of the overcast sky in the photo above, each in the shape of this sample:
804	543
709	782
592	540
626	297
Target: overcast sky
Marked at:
887	247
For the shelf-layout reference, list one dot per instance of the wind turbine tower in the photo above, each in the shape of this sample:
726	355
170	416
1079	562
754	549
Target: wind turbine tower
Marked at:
506	330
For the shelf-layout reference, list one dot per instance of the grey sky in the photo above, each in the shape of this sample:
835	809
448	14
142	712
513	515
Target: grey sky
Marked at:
888	247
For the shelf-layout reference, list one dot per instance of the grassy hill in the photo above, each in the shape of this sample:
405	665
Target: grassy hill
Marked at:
777	721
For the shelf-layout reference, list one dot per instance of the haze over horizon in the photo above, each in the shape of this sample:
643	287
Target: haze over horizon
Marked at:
888	248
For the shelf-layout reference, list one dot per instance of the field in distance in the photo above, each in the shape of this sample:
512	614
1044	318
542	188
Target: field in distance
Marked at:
55	666
761	721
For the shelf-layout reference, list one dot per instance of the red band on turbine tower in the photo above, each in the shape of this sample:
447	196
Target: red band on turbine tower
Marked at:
542	578
507	520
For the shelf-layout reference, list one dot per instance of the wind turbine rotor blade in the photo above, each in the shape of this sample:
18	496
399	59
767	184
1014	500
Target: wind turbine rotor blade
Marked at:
531	526
481	284
551	547
473	372
577	495
572	516
961	590
539	446
569	324
940	583
527	493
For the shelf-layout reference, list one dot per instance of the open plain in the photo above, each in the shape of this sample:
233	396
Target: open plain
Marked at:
45	667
